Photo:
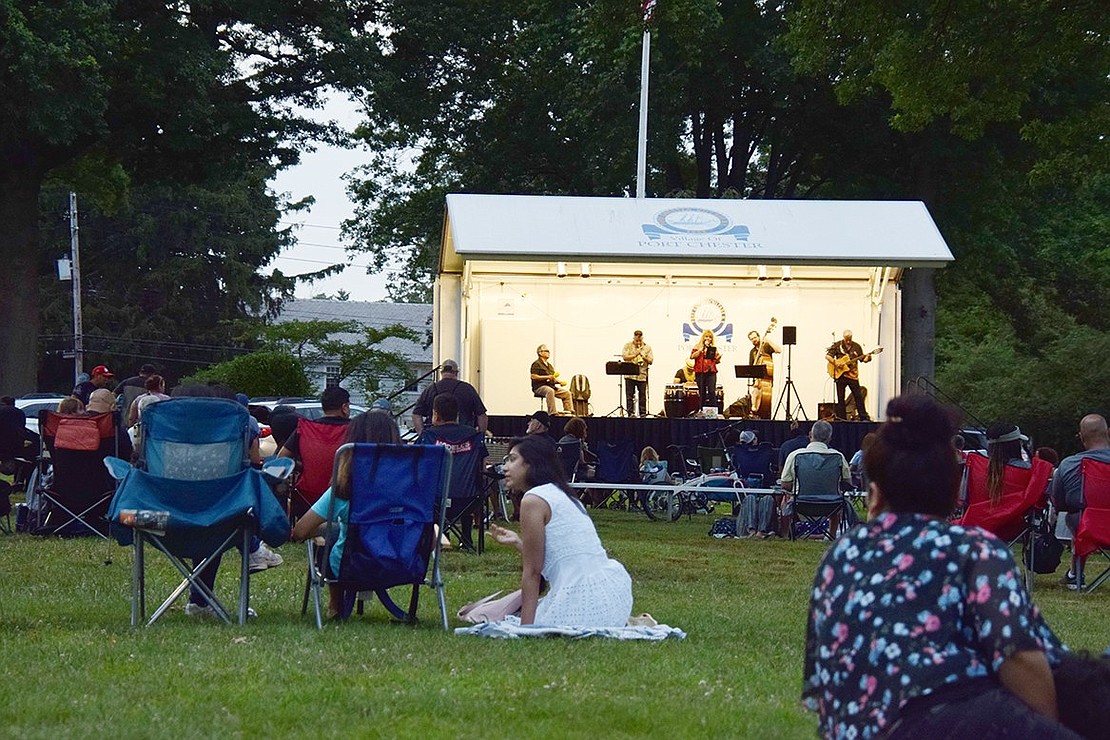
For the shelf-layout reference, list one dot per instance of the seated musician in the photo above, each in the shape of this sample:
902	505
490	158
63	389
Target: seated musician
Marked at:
546	383
685	373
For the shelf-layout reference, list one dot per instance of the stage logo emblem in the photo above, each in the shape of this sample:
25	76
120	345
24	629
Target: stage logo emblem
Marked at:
707	314
694	223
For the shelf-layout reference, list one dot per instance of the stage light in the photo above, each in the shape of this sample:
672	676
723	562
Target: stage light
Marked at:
762	272
585	269
560	269
786	277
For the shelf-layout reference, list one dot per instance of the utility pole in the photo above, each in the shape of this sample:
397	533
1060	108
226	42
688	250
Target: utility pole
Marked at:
75	274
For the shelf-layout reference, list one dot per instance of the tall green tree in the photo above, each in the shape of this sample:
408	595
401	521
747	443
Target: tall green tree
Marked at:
541	98
183	90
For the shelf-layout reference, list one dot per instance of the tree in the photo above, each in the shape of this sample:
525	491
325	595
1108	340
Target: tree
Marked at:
179	89
259	374
541	98
974	70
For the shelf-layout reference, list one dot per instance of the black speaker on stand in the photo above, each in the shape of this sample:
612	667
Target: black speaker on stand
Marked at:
790	398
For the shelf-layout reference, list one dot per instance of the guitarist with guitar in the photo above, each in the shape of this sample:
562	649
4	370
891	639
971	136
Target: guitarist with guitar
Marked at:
844	358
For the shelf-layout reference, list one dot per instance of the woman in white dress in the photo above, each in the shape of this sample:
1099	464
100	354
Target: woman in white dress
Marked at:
558	541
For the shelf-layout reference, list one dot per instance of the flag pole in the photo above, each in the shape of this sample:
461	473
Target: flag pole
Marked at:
641	148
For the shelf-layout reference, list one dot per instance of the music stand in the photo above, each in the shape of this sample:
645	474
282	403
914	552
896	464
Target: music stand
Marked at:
789	390
620	369
756	372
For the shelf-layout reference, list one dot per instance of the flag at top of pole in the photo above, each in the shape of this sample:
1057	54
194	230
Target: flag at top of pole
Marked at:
649	10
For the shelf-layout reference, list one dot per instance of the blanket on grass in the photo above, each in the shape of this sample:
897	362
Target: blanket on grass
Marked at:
511	628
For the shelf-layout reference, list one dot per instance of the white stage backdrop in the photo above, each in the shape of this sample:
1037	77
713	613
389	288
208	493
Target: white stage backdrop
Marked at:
586	322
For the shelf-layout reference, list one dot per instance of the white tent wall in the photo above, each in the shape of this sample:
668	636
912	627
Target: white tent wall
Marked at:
500	319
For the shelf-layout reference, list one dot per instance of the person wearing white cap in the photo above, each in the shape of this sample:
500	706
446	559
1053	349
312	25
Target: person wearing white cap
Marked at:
472	412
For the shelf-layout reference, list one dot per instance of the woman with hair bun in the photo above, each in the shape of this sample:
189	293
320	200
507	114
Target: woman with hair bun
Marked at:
919	627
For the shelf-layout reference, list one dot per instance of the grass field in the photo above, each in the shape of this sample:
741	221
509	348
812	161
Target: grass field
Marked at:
73	666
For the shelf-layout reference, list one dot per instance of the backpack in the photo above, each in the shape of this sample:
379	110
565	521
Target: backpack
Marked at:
1045	550
723	527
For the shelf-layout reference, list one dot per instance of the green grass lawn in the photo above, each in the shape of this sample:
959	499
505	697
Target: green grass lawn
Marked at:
73	666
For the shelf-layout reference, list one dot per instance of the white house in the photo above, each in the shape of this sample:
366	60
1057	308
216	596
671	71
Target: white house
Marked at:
380	314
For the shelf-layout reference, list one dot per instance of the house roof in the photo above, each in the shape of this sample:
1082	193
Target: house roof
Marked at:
378	314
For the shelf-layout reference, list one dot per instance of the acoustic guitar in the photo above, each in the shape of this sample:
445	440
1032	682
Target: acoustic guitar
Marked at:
846	363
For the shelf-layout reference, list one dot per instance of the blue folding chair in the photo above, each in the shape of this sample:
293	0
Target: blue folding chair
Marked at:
753	464
398	496
194	495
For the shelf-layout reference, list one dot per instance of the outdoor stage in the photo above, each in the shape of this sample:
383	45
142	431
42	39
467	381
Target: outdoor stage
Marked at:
661	432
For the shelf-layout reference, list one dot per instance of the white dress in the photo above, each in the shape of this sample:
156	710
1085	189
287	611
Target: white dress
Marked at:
586	587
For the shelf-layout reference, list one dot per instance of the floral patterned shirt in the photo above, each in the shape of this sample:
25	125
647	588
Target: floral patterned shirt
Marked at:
906	604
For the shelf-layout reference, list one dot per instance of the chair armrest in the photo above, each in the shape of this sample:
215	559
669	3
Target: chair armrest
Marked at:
117	468
277	469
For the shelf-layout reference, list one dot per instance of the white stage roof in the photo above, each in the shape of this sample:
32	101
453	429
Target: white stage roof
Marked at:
680	230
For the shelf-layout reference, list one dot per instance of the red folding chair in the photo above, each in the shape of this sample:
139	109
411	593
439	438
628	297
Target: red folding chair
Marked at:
1024	494
79	490
1093	533
317	443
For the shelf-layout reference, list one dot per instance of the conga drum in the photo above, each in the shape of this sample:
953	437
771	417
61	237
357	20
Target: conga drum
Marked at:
674	401
693	399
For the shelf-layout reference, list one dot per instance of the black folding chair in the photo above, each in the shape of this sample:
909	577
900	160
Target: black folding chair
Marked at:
816	499
77	492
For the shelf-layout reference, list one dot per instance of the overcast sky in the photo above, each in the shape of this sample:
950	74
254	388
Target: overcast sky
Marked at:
320	174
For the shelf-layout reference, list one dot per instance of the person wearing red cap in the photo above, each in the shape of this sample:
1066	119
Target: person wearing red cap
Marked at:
100	377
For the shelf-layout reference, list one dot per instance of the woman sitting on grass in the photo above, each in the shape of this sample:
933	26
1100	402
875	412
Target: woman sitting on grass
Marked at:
918	627
558	542
369	428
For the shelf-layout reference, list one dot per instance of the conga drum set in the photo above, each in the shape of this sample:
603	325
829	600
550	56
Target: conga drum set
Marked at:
682	400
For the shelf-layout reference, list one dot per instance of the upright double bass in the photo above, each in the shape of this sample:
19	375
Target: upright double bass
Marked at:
761	401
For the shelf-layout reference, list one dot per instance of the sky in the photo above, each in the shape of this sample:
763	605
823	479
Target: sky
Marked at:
320	174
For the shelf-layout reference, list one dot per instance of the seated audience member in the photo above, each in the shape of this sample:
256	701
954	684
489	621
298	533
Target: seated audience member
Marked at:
336	403
558	542
260	556
283	422
653	471
539	426
446	430
820	434
103	401
1067	484
798	439
335	501
16	440
860	480
942	604
155	392
71	405
575	431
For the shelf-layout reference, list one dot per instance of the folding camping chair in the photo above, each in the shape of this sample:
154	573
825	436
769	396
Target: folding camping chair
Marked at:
465	493
1024	497
317	443
816	498
398	495
616	463
1093	533
712	460
75	495
493	482
753	464
570	454
194	496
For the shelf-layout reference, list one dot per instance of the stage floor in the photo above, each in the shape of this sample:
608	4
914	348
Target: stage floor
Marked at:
661	432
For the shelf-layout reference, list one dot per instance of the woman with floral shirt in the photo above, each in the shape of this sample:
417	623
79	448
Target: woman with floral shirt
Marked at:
917	627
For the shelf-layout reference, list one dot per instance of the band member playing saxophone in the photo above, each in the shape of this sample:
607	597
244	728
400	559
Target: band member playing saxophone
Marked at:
637	351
